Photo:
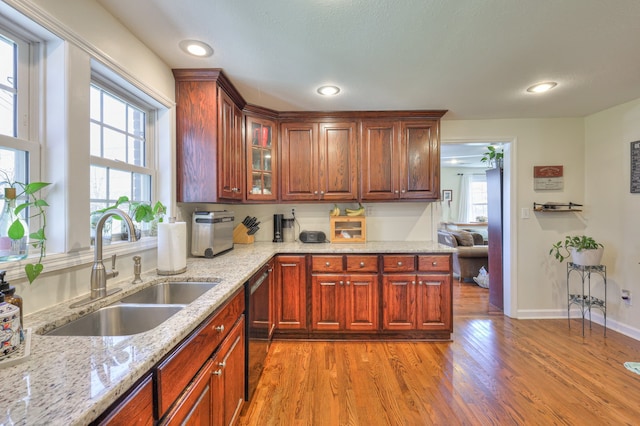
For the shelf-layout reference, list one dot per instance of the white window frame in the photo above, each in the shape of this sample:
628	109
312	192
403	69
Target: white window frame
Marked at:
114	85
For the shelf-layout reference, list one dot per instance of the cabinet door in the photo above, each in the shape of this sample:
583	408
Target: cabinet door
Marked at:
420	160
399	302
227	378
299	161
196	140
262	166
379	160
229	149
327	304
361	302
338	173
195	405
290	293
136	409
434	302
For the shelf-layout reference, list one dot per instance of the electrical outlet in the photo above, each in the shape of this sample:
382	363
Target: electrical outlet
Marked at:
626	297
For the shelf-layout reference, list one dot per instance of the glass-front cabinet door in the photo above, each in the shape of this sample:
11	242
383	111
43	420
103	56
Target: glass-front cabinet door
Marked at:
261	159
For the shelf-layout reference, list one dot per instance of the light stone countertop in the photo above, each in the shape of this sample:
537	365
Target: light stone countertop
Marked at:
72	380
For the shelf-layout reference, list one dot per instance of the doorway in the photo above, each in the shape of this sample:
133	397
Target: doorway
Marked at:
463	157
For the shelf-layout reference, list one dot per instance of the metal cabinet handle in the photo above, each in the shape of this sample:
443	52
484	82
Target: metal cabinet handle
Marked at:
222	364
399	263
362	264
434	263
413	282
218	372
396	191
315	192
219	328
341	282
327	264
348	282
419	282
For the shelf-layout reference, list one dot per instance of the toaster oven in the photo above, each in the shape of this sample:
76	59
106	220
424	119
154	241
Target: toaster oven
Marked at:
211	233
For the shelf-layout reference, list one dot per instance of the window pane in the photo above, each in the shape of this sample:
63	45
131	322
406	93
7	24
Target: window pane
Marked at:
141	187
95	139
136	122
8	52
115	145
136	152
95	108
114	112
14	165
119	184
98	187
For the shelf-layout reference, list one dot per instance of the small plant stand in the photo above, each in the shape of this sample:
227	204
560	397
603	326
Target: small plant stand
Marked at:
584	300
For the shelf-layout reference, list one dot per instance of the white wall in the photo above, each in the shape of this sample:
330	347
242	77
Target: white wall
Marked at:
614	217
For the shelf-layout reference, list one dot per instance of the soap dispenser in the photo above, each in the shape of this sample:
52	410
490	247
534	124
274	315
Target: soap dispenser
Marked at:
10	295
11	336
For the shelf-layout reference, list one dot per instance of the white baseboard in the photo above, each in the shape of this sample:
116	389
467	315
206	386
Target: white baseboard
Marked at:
596	317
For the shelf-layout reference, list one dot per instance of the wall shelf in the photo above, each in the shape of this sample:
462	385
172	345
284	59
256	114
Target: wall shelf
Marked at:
557	207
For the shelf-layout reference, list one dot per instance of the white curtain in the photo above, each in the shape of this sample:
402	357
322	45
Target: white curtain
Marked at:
465	207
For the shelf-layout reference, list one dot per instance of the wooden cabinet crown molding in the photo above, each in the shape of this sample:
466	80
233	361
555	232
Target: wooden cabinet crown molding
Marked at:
211	74
361	115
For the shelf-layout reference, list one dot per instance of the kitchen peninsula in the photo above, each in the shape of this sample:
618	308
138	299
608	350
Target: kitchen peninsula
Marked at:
73	380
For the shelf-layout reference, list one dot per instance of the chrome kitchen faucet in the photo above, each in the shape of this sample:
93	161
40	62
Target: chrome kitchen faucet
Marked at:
99	275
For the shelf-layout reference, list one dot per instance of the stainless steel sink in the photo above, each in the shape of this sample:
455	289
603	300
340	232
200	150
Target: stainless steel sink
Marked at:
180	293
118	320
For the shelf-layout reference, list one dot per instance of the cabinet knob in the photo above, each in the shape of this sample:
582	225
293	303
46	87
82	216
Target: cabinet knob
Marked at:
222	364
218	372
219	328
315	192
434	263
327	264
341	282
403	191
396	191
420	282
413	282
362	264
321	192
399	263
348	282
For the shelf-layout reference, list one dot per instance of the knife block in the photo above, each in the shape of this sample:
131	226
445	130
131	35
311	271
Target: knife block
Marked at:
240	235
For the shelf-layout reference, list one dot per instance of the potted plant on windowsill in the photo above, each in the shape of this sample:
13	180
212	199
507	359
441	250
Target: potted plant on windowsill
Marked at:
583	250
493	157
15	230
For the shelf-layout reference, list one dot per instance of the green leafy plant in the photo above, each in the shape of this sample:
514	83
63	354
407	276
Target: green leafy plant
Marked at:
139	211
561	249
36	206
492	155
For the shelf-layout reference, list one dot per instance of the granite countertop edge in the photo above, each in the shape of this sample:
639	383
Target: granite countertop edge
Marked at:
72	380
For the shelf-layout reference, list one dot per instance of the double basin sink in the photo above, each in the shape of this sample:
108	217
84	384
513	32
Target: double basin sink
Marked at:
138	312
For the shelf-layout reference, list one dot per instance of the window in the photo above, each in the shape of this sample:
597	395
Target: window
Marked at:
120	150
18	155
473	198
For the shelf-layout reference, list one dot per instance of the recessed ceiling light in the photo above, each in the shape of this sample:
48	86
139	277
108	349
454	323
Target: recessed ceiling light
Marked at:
196	48
542	87
328	90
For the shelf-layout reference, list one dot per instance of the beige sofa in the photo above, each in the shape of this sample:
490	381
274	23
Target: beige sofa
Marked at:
472	253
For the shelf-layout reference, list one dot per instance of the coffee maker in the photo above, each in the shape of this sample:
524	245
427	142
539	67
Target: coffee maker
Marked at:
277	228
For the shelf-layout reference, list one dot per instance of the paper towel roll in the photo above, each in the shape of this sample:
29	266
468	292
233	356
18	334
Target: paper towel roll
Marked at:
172	248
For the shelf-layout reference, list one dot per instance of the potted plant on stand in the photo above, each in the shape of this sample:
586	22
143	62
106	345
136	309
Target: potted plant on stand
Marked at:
583	250
493	157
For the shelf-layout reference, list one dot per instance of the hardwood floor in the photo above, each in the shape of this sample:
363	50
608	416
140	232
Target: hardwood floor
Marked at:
496	371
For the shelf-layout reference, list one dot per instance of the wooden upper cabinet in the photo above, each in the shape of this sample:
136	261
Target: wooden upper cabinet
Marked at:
400	160
319	161
230	149
420	160
209	146
262	159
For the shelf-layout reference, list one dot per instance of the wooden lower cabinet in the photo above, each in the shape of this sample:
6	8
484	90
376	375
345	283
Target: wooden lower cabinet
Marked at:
344	302
290	285
135	409
421	300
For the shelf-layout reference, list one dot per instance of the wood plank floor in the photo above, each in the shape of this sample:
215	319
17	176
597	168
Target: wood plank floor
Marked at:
496	371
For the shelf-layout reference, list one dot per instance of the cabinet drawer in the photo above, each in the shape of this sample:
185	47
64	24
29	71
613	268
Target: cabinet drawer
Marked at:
362	263
326	264
436	263
175	372
403	263
137	408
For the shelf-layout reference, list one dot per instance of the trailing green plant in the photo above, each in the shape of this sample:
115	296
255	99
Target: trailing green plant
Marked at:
139	211
36	206
561	249
492	155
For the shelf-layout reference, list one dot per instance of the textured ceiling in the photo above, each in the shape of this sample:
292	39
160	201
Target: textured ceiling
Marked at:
474	58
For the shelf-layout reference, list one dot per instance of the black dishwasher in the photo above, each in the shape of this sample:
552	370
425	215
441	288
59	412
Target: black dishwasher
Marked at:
259	326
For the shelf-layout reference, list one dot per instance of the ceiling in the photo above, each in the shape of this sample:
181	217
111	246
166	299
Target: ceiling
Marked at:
473	58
